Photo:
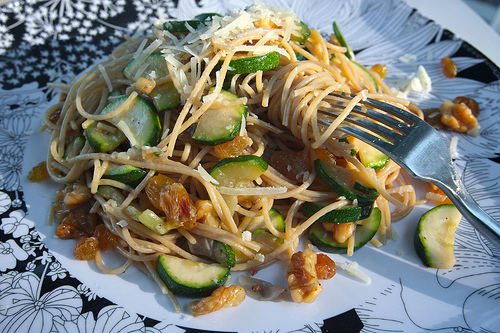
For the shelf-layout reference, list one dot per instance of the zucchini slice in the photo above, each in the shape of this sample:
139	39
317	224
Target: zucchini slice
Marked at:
365	231
341	40
102	140
435	236
221	123
181	26
238	171
126	174
154	222
301	33
370	156
335	178
253	64
190	278
276	220
223	254
345	214
261	233
212	249
140	123
264	236
74	147
154	62
165	96
367	73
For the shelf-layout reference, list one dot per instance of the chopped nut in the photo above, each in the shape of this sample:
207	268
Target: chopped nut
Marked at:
206	214
459	118
342	231
76	194
222	297
302	278
471	104
145	85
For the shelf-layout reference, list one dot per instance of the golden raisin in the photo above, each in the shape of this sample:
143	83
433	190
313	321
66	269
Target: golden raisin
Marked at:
449	67
381	70
105	238
38	173
54	117
69	231
63	96
178	207
291	165
233	148
469	102
154	186
325	267
83	220
86	248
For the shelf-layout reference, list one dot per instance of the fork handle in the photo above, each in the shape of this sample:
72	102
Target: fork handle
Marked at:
488	227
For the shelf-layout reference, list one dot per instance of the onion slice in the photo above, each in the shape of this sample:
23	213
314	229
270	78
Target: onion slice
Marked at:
262	290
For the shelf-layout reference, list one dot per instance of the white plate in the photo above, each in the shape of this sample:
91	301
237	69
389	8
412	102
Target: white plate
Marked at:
43	288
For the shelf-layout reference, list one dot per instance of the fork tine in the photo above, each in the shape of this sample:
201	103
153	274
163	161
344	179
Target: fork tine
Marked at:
367	125
362	134
376	116
369	103
365	130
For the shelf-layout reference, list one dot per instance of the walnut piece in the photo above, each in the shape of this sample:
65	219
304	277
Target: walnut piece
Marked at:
302	278
76	194
459	117
222	297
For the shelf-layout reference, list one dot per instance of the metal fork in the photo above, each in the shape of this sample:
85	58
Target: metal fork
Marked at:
413	144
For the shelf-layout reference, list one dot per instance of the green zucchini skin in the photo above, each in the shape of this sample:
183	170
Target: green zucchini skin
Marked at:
224	254
252	64
126	174
258	222
301	34
140	123
220	124
74	147
189	278
199	21
345	214
334	179
324	240
154	61
435	235
103	141
238	170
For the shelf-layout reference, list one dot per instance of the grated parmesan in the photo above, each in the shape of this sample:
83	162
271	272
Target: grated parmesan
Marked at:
248	191
352	269
206	176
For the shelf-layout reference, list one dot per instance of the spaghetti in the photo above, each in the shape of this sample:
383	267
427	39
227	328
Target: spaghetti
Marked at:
282	127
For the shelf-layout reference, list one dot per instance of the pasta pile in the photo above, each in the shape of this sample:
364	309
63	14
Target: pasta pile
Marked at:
281	126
